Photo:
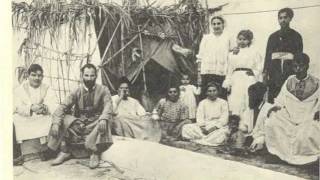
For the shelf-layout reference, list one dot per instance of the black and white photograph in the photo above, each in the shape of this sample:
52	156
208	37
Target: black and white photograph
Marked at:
162	90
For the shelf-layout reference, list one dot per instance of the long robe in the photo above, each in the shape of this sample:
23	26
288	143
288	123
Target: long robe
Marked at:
239	82
209	114
131	120
89	107
292	133
281	48
30	125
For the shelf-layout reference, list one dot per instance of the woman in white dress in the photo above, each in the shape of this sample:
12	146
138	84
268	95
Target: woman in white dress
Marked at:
212	118
213	55
245	69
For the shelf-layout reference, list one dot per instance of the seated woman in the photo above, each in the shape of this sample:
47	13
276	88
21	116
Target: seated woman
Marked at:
130	118
173	114
212	118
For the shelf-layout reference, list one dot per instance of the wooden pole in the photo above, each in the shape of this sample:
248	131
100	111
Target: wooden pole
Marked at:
143	71
122	52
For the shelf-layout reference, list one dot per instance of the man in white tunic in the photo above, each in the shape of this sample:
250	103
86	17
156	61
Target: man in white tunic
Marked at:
33	104
130	118
292	130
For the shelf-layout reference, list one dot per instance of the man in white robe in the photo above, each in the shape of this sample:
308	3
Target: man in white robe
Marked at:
33	104
292	131
130	118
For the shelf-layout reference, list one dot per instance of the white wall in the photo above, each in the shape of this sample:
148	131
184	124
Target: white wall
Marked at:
305	21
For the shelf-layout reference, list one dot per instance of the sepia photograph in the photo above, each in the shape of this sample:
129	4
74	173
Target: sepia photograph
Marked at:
162	90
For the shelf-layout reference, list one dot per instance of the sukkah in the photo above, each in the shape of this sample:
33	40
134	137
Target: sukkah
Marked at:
125	37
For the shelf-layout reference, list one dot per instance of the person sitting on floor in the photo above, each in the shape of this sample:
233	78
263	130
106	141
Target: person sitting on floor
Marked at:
212	118
88	125
292	130
34	102
173	114
130	118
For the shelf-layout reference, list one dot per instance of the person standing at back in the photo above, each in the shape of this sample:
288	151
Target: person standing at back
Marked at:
213	56
281	48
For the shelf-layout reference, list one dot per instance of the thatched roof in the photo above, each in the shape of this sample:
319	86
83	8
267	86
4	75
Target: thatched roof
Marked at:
49	15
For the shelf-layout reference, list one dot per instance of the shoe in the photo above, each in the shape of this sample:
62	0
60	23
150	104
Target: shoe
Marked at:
94	161
61	158
18	161
272	159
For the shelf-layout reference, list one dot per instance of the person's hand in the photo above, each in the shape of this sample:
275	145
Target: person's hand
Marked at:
121	94
249	73
316	116
273	109
36	108
55	130
265	78
102	126
255	146
182	89
235	50
43	110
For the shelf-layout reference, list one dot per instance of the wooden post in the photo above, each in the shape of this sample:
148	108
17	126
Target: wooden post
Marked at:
142	55
207	18
122	52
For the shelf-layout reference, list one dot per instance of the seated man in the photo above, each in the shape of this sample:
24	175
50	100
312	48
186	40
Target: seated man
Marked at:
130	118
212	119
292	130
33	104
89	125
172	113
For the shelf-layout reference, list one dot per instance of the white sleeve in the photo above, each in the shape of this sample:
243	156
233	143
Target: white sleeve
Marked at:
202	47
21	107
227	82
223	120
51	100
200	117
258	66
196	90
140	110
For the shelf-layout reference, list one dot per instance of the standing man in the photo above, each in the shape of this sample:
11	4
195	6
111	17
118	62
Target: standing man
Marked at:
89	122
281	48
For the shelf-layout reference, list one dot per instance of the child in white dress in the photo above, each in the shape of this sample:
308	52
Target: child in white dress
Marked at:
245	69
188	93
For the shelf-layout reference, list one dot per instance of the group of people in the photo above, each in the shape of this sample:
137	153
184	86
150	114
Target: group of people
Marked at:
231	110
286	121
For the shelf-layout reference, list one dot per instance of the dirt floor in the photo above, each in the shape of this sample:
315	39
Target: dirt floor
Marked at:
259	160
78	168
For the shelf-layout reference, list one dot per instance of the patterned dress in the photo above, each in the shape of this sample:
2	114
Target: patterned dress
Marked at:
172	116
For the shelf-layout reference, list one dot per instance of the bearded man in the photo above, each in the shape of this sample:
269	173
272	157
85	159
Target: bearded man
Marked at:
83	119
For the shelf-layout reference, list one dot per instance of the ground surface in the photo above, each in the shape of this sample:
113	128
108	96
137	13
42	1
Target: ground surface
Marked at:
78	168
307	172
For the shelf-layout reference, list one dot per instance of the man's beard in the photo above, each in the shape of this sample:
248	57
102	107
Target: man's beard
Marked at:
89	83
